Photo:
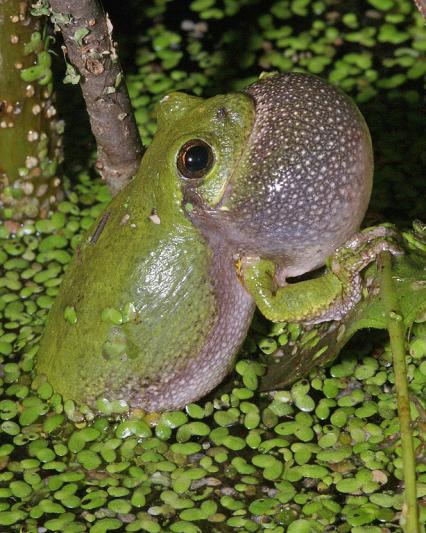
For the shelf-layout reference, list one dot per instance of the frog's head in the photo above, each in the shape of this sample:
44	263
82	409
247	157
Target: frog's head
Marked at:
284	165
201	143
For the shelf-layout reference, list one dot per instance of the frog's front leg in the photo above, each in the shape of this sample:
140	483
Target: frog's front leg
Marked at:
327	297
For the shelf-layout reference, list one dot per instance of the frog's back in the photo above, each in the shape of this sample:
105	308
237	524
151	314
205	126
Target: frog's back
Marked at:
150	318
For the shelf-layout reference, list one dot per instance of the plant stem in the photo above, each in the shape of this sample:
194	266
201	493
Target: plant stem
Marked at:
396	331
30	133
86	30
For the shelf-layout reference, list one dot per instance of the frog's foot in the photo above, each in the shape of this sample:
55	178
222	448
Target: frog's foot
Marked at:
246	261
363	248
351	258
367	235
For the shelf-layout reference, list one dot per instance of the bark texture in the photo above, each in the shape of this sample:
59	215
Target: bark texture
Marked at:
86	30
421	6
30	134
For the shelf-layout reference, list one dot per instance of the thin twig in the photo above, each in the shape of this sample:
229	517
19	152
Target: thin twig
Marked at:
86	30
397	341
421	6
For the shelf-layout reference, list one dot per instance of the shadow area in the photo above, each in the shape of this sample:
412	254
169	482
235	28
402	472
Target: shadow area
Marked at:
397	128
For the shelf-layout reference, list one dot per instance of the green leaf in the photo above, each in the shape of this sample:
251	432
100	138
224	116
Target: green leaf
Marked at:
200	5
34	45
39	8
383	5
71	75
61	18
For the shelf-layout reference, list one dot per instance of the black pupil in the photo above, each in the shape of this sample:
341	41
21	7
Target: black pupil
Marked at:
197	158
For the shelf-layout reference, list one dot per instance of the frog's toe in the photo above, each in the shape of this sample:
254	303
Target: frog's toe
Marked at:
371	234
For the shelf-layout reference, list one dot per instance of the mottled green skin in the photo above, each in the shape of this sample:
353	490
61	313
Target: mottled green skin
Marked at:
168	271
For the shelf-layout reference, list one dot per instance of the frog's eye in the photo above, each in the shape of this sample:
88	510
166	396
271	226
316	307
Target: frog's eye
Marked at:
195	159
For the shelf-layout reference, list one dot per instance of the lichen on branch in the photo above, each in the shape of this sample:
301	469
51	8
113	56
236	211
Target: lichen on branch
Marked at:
93	61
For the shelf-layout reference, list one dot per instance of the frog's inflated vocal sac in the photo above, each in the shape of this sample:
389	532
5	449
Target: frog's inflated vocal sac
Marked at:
235	193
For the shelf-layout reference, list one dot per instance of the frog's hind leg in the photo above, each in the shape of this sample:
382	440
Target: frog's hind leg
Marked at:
327	297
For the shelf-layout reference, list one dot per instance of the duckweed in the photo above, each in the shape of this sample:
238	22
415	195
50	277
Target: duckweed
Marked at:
111	315
323	455
70	314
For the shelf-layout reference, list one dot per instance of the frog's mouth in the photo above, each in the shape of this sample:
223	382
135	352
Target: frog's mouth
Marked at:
193	203
201	214
213	222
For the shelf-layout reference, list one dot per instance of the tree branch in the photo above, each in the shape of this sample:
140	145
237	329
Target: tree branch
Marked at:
86	30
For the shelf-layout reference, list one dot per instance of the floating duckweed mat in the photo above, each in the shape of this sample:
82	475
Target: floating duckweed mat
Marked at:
323	455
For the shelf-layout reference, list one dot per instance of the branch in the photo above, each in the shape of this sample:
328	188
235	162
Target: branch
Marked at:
86	30
396	331
421	6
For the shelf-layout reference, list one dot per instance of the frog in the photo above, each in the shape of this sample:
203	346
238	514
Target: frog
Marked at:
236	195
